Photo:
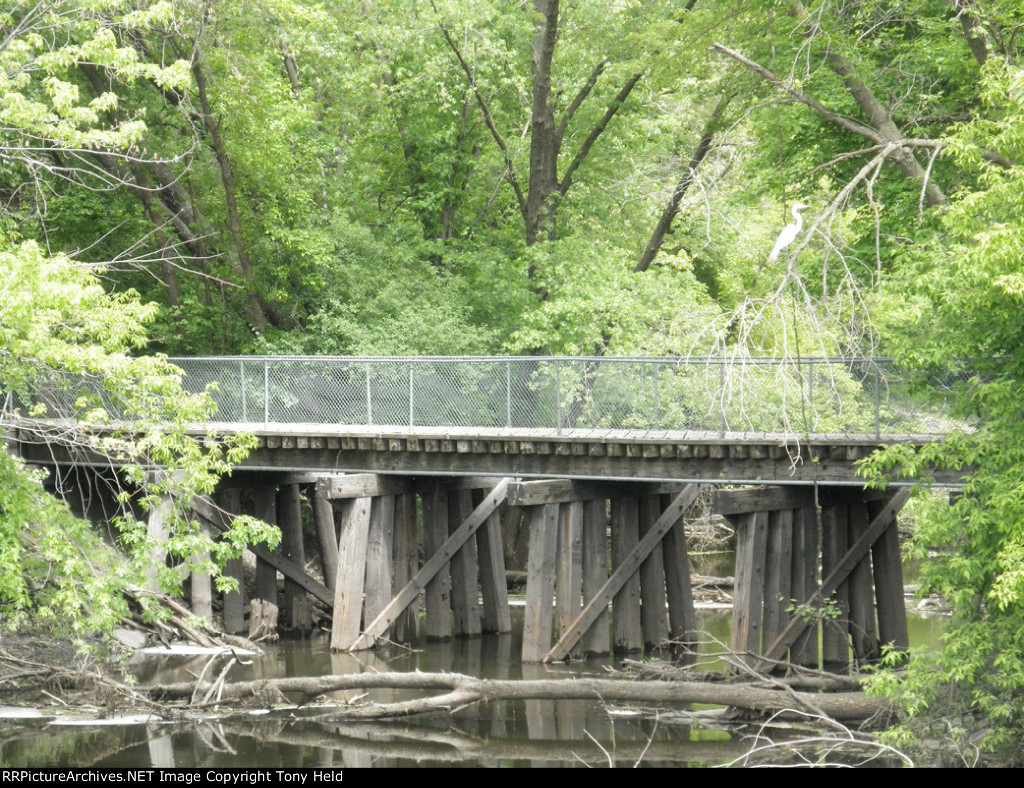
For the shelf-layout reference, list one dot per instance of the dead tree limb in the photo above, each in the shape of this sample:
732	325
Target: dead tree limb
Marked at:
459	691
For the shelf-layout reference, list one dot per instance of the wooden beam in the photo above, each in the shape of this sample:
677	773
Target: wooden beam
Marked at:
540	582
323	519
857	551
627	569
348	589
493	589
748	596
431	567
760	499
361	485
205	509
538	493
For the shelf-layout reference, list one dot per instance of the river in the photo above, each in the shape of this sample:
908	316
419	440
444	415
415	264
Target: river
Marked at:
507	733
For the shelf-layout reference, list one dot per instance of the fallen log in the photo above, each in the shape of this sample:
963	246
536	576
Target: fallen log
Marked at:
460	691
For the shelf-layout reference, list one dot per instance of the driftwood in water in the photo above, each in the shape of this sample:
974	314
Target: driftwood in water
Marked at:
461	691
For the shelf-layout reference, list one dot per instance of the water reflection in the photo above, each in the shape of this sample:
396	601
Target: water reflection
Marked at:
505	733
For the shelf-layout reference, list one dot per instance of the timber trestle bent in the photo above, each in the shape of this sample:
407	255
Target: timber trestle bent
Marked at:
607	567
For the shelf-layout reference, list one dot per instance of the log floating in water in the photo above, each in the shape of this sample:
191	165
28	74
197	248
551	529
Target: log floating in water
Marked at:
460	690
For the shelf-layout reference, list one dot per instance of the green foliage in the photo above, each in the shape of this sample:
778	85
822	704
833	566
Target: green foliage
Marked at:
970	302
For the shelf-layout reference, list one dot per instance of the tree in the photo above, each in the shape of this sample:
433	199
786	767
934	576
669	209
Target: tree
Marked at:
67	343
963	297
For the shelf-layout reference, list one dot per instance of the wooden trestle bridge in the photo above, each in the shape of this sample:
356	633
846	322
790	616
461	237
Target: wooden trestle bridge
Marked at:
410	519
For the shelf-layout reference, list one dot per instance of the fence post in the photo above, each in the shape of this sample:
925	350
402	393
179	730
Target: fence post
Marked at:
241	379
878	417
508	393
656	403
721	398
412	411
558	396
810	397
266	392
369	401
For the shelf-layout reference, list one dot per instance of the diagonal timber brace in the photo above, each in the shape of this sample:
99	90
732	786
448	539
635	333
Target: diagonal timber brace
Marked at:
380	625
853	556
629	567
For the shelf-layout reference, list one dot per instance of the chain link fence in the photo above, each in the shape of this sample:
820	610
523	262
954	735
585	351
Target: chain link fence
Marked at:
802	396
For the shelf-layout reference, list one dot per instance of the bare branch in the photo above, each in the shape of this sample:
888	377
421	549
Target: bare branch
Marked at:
488	118
596	132
578	101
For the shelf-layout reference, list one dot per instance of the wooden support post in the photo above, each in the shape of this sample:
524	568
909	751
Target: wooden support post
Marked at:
626	570
493	588
201	585
626	624
597	639
682	618
289	517
805	580
778	573
234	601
379	575
327	533
569	570
835	649
406	562
434	564
540	582
888	576
348	588
158	532
748	597
879	522
863	632
264	506
465	597
436	601
654	606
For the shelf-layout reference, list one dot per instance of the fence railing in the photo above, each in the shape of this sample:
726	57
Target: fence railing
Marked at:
802	396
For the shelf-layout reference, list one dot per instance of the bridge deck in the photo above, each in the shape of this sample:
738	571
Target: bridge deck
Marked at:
613	454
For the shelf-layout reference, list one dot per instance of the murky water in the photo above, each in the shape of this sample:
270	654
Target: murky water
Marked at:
507	733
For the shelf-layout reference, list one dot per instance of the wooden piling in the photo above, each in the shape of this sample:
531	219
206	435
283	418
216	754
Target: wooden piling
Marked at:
835	651
348	589
626	623
682	618
805	580
569	570
888	577
597	639
234	602
289	520
405	563
465	593
540	582
379	574
748	597
653	604
327	535
778	573
437	595
496	616
863	631
264	507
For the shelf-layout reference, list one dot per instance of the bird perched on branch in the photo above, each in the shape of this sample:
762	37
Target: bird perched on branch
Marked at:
789	232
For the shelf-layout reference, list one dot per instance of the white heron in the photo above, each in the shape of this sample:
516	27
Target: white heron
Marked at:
789	232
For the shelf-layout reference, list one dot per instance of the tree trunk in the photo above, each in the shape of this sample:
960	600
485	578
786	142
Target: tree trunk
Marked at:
541	208
460	690
241	263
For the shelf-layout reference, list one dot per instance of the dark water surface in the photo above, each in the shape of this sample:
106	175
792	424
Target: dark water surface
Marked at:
506	733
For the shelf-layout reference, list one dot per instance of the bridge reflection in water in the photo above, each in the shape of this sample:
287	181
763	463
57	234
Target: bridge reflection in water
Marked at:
416	472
